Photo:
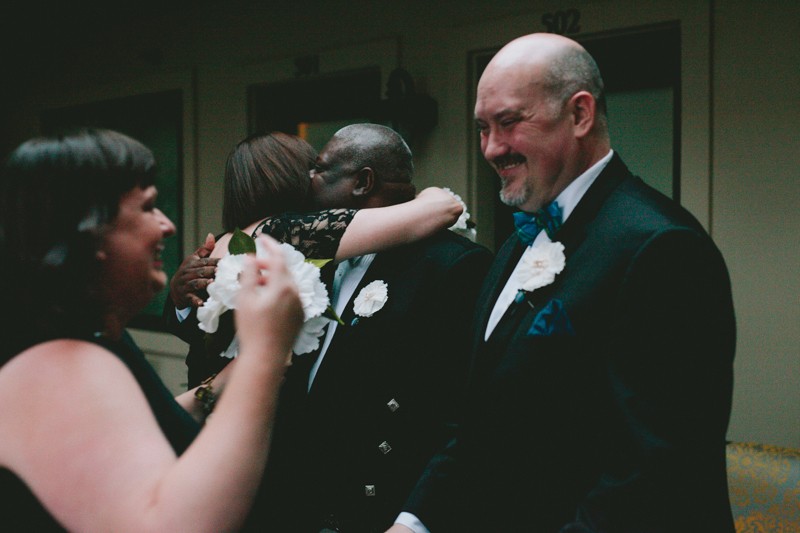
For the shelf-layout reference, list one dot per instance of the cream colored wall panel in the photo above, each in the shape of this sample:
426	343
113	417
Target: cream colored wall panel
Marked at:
756	208
171	369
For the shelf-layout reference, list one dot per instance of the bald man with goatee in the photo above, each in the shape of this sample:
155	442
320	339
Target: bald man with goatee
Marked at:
601	381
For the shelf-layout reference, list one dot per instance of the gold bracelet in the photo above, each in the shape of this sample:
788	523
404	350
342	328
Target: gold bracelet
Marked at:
205	395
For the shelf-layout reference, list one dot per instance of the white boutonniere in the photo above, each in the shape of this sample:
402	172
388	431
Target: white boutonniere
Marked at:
370	299
463	225
306	274
540	265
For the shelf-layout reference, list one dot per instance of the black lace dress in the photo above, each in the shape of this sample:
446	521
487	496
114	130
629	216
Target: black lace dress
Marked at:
316	235
20	510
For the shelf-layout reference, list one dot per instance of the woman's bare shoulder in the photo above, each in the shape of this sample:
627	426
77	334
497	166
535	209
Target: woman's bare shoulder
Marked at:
62	372
221	246
53	354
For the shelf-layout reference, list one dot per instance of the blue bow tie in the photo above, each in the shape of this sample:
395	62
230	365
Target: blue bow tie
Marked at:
529	225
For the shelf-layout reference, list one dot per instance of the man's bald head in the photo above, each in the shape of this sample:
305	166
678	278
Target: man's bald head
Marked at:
363	165
540	110
555	64
378	147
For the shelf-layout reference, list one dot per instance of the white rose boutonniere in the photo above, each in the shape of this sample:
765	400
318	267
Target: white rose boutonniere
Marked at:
370	299
539	265
222	294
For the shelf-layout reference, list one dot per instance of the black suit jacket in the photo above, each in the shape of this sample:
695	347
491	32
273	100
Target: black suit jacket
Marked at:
199	364
200	359
601	402
346	454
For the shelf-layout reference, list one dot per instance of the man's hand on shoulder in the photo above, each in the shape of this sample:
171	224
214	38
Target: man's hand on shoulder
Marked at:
187	287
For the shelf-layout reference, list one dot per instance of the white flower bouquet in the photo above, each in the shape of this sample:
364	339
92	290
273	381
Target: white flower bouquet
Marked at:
306	273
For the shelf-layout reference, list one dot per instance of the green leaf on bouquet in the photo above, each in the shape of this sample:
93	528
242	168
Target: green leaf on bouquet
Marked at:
319	263
331	314
241	243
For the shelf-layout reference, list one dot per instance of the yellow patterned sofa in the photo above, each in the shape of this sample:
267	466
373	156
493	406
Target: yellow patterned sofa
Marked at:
764	486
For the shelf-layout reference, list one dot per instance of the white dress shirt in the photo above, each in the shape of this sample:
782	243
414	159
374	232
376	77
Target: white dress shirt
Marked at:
567	201
182	313
347	277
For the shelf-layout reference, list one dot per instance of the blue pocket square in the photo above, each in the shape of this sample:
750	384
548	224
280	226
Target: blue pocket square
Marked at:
551	320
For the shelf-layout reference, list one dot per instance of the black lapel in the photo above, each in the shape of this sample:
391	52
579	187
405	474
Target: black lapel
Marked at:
382	267
572	233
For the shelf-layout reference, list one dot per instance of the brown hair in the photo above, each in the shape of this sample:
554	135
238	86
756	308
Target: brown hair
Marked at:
266	174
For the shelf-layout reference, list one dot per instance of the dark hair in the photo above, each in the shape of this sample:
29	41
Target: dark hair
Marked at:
266	174
378	147
58	194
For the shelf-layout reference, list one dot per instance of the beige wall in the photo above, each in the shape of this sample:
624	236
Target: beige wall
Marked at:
756	208
740	91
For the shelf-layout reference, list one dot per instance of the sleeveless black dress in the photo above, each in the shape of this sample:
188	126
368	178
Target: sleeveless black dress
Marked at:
21	511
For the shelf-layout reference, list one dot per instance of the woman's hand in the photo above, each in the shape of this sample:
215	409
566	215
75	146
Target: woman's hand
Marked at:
442	201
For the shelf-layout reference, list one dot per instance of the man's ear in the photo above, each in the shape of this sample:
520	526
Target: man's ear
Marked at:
583	112
365	181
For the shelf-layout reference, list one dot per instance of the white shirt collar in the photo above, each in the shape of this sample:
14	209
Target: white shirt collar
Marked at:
570	196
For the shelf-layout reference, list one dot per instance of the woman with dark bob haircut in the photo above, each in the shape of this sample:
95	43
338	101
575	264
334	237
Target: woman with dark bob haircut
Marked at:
91	438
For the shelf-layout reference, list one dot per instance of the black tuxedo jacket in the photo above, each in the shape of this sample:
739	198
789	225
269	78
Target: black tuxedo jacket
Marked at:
601	401
346	454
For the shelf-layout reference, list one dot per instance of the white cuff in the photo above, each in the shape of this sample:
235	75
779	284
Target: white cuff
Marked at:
411	522
182	313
